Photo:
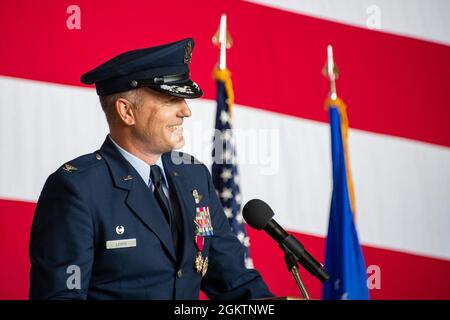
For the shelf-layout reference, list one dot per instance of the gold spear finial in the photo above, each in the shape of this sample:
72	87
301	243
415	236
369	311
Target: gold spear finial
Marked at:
222	38
331	71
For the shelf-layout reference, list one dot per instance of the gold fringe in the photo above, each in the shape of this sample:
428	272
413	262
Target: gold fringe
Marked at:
344	129
225	77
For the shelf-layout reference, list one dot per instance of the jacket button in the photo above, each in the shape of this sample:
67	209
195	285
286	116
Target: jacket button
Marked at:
179	273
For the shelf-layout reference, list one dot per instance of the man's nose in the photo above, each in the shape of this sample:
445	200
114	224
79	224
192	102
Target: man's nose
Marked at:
184	110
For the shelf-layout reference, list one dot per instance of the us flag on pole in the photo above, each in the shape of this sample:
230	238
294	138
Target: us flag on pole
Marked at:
224	168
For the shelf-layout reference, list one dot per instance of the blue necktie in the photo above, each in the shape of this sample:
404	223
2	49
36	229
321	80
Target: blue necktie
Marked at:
164	203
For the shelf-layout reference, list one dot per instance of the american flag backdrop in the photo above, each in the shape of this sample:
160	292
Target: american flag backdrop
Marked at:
394	64
225	172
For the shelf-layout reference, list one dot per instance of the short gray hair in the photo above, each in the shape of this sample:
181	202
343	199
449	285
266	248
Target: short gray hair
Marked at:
108	103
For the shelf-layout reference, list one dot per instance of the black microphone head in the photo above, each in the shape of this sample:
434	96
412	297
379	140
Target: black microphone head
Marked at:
257	213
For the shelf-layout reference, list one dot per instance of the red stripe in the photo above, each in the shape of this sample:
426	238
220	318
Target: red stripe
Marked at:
15	219
403	276
392	84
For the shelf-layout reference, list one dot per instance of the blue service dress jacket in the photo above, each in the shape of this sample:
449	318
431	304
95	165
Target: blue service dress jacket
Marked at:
98	233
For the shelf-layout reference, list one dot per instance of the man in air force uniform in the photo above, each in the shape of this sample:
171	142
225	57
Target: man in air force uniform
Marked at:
135	219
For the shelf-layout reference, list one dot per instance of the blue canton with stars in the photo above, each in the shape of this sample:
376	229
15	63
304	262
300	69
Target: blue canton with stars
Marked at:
225	171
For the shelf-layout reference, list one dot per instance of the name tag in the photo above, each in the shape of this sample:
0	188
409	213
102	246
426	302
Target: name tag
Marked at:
116	244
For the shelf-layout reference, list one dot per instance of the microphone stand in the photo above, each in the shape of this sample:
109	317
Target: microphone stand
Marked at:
292	265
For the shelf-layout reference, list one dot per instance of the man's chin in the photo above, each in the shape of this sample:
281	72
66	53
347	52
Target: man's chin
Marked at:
180	144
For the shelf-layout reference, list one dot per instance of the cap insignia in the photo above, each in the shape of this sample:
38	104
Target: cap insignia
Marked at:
188	53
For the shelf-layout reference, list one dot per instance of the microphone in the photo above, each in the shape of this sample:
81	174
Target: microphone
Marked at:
258	215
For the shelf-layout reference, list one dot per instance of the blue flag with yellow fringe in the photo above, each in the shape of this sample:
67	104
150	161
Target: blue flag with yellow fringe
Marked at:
344	259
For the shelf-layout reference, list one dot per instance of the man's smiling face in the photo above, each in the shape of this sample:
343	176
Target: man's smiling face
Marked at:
159	120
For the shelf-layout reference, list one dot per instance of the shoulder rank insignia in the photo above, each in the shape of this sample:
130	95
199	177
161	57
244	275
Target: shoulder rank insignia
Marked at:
69	168
188	53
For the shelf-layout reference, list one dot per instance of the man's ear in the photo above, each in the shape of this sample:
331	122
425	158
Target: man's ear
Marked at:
125	111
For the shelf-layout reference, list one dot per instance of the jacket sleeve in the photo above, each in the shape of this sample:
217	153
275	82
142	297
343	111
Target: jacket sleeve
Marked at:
61	243
227	277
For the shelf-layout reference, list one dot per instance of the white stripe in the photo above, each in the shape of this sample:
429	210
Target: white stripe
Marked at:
427	20
42	126
401	186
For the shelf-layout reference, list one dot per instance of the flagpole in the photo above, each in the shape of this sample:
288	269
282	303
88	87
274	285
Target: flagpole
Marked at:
343	255
223	42
331	72
222	39
224	169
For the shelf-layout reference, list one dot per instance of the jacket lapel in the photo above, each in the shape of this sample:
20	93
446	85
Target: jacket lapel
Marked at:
186	201
140	199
